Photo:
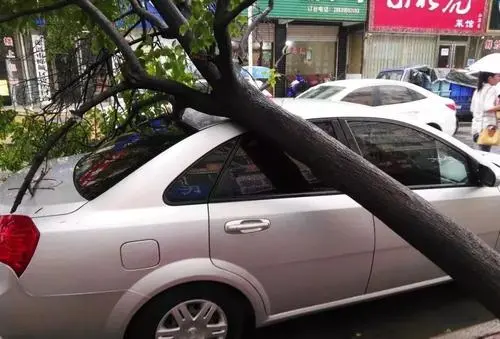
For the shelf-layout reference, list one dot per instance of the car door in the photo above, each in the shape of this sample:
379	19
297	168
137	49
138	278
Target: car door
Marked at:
437	171
300	242
400	100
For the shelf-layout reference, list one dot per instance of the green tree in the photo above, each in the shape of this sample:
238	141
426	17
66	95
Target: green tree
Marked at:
149	69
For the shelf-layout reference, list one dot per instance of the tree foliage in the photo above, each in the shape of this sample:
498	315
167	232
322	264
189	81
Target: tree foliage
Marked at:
66	31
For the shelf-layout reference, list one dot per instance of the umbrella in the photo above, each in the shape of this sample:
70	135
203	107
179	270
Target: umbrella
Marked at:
489	63
258	72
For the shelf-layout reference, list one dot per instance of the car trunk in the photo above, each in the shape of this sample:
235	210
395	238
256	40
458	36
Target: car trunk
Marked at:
55	193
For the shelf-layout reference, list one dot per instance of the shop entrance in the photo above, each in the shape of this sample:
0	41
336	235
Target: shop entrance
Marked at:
452	55
313	53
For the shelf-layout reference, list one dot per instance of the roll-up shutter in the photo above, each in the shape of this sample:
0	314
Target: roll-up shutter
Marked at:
312	33
388	50
264	32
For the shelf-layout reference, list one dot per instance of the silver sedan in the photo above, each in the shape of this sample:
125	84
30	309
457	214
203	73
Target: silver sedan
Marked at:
199	229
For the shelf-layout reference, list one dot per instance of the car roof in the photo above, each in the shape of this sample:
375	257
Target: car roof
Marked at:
351	83
402	68
320	109
307	109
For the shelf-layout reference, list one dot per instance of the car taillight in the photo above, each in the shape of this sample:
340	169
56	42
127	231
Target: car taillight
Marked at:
18	240
452	106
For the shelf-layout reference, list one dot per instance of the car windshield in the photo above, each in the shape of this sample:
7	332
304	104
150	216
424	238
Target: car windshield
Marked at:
391	75
321	92
100	170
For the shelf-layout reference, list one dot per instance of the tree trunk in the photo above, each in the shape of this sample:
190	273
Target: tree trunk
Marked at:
460	253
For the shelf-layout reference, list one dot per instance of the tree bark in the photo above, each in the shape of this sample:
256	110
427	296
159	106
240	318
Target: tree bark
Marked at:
460	253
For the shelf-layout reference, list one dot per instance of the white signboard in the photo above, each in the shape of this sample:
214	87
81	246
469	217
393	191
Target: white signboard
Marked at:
41	67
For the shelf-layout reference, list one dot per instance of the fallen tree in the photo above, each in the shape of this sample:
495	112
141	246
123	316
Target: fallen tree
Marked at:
202	30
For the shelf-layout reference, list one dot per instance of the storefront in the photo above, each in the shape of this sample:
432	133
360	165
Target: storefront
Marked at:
316	34
313	52
446	34
491	42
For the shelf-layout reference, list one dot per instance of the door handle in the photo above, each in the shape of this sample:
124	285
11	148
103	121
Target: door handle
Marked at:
247	226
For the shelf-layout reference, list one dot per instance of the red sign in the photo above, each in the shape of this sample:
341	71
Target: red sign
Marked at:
466	17
8	41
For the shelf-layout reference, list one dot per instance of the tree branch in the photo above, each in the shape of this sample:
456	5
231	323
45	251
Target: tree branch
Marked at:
230	16
187	95
154	20
276	65
38	10
251	28
96	100
221	34
38	160
61	133
137	106
108	28
175	19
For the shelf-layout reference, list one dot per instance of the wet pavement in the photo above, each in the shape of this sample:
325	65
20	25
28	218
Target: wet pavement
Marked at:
416	315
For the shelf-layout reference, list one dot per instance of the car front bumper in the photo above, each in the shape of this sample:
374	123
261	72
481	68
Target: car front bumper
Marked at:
69	316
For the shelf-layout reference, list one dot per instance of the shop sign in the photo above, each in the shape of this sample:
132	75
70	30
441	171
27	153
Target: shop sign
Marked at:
464	17
41	67
8	41
491	44
328	10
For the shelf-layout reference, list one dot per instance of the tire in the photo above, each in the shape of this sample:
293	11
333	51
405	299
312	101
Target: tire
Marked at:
235	308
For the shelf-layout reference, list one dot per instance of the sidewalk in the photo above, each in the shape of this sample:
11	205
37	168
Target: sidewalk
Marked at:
487	330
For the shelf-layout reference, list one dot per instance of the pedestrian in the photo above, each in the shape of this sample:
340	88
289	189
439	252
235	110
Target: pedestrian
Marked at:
484	108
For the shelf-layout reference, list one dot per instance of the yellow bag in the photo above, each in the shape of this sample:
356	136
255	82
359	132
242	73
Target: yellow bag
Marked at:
489	137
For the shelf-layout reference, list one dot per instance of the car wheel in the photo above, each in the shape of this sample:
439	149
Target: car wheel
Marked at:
192	311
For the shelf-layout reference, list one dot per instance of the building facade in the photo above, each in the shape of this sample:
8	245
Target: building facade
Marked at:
324	39
445	33
490	43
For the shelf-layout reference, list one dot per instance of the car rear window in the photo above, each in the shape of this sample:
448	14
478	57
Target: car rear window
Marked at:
100	170
321	92
391	75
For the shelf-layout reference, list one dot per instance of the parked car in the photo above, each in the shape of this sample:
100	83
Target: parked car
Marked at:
456	84
420	75
391	97
201	229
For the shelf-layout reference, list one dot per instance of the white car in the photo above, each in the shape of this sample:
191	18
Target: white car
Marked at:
390	96
200	229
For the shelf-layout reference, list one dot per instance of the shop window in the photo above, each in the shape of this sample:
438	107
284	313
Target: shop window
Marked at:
315	61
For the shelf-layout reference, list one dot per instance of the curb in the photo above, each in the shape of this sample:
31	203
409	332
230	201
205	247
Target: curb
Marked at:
487	330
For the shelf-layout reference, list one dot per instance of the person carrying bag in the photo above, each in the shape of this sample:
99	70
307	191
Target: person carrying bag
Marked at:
484	107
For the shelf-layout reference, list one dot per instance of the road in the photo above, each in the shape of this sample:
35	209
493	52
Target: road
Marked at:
416	315
464	135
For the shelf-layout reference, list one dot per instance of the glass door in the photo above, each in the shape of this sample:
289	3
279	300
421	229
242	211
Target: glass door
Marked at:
444	56
452	55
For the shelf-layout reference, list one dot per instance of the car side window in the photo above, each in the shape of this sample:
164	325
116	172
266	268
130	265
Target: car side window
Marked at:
197	182
410	156
363	96
391	95
260	169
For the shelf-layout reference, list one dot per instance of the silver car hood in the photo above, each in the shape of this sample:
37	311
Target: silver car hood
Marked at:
56	194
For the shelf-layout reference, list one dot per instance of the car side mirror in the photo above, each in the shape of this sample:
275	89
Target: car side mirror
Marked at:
487	177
